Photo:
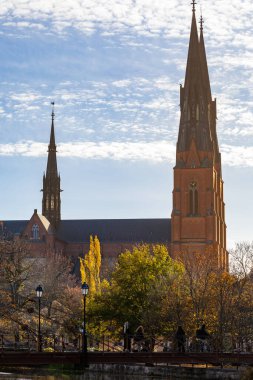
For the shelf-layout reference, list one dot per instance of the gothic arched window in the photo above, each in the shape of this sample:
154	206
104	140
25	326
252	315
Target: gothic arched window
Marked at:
35	232
47	202
197	112
193	198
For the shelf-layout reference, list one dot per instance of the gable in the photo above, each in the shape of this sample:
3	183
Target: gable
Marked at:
37	228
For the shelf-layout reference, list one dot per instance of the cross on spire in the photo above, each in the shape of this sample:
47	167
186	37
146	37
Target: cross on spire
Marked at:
52	104
193	5
201	21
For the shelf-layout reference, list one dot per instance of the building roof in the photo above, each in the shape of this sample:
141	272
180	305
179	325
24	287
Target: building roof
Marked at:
116	230
107	230
8	228
48	227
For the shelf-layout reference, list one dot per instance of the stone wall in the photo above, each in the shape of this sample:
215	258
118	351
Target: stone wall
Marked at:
165	372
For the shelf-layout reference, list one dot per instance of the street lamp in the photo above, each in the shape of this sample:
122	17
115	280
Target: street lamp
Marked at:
39	292
85	291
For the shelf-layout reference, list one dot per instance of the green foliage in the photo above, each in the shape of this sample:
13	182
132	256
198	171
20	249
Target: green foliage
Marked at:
139	283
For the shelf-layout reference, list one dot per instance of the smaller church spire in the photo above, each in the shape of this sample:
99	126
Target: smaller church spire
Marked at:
52	104
52	146
51	202
204	67
201	21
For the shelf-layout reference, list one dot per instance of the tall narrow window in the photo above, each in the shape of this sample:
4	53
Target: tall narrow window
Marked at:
197	112
193	199
35	232
47	202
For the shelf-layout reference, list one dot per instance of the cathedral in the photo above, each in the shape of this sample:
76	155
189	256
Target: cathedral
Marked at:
197	221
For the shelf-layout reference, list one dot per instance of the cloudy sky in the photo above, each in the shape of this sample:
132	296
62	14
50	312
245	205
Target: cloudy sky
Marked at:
113	68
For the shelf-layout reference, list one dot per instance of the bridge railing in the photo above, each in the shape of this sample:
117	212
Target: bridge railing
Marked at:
103	343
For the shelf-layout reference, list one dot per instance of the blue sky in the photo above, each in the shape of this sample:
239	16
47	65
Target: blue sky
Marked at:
113	69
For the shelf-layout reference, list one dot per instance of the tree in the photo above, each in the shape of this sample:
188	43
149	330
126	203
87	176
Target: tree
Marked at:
242	260
53	272
222	306
242	268
90	266
20	273
17	271
199	270
139	283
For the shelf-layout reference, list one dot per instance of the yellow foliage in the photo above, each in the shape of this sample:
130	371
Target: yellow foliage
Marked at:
82	270
90	266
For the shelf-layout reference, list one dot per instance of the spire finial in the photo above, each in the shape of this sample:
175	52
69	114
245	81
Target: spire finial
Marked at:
193	5
52	104
201	21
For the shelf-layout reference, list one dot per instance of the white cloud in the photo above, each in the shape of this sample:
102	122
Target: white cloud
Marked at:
24	97
25	24
148	151
144	17
29	148
155	151
237	155
121	83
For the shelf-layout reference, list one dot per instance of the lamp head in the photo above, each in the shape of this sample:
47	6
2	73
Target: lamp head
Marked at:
39	291
85	289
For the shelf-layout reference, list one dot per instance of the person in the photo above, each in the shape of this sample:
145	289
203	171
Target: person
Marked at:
203	336
180	339
202	333
127	337
139	334
139	338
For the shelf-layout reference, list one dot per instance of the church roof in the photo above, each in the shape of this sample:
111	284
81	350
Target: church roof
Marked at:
46	223
8	228
116	230
107	230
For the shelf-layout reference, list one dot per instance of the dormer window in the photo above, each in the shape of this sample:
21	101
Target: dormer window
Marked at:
35	232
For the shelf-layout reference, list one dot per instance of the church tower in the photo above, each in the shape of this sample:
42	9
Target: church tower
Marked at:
198	219
51	202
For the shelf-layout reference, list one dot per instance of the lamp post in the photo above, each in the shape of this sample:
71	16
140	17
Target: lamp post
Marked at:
85	291
39	292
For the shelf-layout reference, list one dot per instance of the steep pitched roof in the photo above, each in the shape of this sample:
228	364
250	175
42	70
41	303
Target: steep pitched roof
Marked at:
9	228
46	224
107	230
116	230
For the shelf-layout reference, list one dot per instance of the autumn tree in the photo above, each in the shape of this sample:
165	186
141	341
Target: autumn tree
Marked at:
90	266
199	270
221	308
138	285
241	265
53	272
16	270
20	273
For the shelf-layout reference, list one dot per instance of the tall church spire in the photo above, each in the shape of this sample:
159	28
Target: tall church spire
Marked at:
51	202
198	215
208	98
203	61
195	97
